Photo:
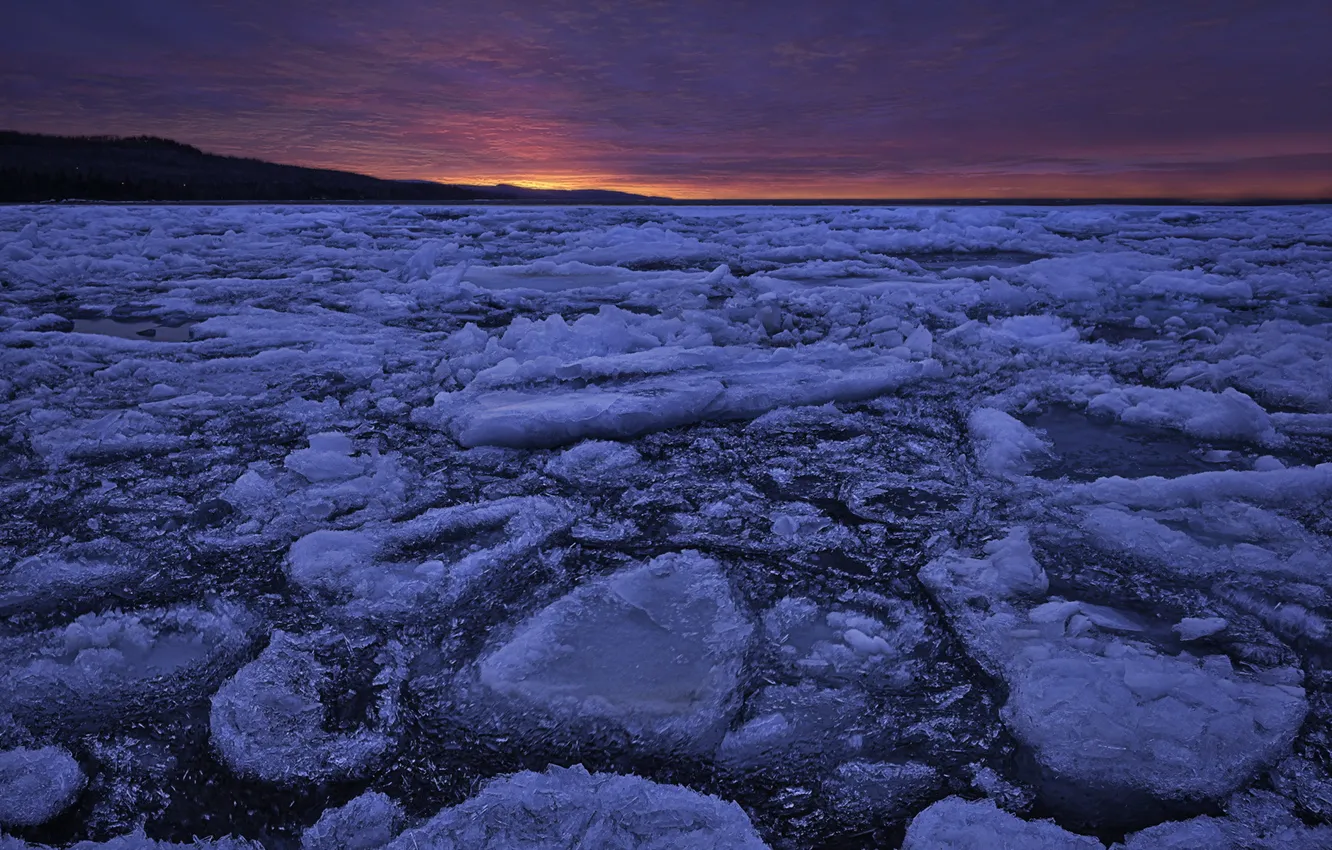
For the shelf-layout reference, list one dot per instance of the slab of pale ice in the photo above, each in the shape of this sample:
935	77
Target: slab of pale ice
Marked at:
1197	628
571	808
37	784
1105	713
366	823
1004	446
267	721
638	393
655	650
1256	820
98	663
360	568
957	824
1229	414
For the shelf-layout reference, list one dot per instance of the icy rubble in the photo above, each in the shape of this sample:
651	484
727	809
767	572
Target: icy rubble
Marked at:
571	808
1109	717
139	841
397	434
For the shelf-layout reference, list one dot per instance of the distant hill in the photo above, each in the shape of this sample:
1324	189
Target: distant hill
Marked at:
36	168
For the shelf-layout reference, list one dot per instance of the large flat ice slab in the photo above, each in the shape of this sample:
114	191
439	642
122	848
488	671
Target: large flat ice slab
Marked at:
571	808
631	395
957	824
653	650
1105	715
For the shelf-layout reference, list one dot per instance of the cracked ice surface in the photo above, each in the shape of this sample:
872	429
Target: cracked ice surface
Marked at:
366	526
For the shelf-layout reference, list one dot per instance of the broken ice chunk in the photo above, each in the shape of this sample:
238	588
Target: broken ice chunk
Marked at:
1004	446
957	824
1195	628
327	459
570	809
100	667
1106	719
36	785
366	823
268	720
654	649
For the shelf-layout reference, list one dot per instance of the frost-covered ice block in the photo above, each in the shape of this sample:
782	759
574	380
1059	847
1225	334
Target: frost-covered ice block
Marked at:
37	784
328	458
102	666
363	569
653	650
571	808
1228	415
366	823
1004	446
594	462
79	575
1197	628
1131	721
544	420
1107	717
1256	820
268	721
635	398
957	824
1270	487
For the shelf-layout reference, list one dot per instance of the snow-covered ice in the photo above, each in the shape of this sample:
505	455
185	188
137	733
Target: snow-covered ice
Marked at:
957	824
654	651
349	526
571	808
36	785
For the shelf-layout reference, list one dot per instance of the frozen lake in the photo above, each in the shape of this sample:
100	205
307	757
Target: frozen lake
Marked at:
429	527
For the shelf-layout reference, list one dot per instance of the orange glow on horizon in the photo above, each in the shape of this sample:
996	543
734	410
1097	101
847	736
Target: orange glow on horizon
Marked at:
1227	187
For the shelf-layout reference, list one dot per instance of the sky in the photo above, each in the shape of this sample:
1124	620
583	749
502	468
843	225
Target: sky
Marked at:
722	98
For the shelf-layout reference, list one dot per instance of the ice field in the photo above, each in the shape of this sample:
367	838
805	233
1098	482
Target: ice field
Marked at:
514	527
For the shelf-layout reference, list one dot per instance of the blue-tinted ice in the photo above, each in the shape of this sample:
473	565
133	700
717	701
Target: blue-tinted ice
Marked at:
364	527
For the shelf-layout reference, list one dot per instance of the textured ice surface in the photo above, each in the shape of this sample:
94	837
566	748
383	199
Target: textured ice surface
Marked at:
97	668
571	808
366	823
957	824
655	650
268	721
1030	503
1108	716
1254	821
36	785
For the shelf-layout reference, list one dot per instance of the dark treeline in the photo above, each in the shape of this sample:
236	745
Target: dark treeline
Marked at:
35	168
